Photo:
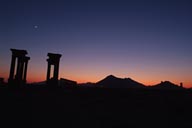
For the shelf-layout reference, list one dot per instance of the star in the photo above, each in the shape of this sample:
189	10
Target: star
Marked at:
35	26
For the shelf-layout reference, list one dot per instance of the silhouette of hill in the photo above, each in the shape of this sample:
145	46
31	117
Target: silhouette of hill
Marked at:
112	81
166	85
88	84
115	82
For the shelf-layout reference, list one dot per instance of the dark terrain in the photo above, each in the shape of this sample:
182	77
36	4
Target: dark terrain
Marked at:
95	107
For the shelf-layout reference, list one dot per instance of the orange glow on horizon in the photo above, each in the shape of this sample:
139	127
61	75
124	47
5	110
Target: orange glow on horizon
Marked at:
31	78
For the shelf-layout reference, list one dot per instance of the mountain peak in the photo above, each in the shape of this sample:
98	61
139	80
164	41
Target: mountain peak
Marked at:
111	76
112	81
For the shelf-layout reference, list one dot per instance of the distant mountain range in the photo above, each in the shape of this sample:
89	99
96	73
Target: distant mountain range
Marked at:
115	82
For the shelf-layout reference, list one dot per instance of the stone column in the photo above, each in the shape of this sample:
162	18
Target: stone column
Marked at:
12	68
56	71
21	70
18	68
25	68
48	70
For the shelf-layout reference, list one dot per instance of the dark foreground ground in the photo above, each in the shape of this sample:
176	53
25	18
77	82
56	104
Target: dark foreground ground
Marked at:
95	108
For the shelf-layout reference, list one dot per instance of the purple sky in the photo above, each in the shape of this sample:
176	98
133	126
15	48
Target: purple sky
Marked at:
147	40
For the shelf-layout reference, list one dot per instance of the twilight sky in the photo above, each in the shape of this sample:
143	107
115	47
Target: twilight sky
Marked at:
147	40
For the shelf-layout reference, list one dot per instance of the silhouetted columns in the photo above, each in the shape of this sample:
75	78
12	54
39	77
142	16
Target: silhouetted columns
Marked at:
25	68
18	55
53	60
12	68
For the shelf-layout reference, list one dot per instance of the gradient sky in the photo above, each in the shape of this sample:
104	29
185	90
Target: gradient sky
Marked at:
147	40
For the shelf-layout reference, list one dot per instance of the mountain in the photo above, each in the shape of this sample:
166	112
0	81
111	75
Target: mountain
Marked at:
167	85
114	82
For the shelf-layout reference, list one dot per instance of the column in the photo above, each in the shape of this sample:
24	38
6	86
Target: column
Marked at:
21	69
25	71
48	70
18	68
12	68
56	71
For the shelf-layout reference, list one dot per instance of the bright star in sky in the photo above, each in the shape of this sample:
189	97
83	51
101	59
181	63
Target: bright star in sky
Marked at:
35	26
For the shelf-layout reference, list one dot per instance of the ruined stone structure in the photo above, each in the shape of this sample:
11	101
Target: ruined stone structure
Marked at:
53	60
18	76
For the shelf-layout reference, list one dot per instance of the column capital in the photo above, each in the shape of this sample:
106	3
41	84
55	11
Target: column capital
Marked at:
18	53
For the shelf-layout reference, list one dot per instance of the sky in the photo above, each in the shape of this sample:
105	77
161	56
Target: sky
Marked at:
147	40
